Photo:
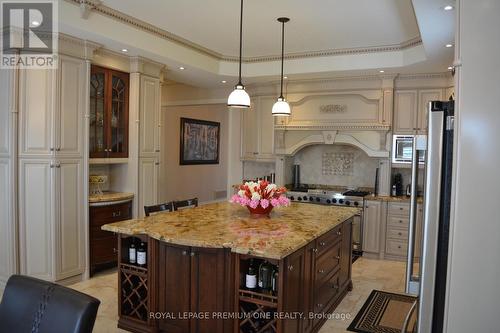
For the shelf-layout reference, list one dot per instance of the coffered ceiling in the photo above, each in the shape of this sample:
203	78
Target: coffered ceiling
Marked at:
323	38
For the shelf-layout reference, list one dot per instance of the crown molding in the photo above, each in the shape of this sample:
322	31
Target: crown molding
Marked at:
98	7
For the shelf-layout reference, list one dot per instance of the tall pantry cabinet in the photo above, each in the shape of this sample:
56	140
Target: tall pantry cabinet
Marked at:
51	147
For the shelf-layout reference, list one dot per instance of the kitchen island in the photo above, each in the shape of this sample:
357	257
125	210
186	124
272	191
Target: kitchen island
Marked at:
197	260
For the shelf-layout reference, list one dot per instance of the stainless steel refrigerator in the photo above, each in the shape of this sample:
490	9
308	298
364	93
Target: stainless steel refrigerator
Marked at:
427	278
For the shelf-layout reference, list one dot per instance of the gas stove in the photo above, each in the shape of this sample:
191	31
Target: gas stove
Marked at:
352	198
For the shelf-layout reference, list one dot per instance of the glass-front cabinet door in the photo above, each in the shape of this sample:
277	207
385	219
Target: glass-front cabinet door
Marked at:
97	135
109	91
118	106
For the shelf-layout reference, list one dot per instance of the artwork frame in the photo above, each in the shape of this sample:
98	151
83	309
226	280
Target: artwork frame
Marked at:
199	142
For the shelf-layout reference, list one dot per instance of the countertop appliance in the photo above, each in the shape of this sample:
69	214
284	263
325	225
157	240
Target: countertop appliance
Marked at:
347	197
402	149
429	282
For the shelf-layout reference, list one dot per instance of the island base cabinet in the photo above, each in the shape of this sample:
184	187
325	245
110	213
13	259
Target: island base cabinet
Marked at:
194	281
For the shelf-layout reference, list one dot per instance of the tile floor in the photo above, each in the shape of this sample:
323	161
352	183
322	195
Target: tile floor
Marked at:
367	275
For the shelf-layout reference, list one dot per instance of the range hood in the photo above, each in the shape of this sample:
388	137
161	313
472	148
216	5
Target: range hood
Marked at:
360	119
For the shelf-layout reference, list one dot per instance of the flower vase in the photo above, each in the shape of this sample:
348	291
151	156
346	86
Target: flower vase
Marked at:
259	211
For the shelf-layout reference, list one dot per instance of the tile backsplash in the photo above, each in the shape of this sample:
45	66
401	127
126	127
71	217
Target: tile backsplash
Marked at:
341	165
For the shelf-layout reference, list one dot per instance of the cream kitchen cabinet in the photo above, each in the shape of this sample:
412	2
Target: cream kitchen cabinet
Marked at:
410	109
405	111
51	228
36	112
149	117
149	173
424	97
258	130
51	109
69	111
372	226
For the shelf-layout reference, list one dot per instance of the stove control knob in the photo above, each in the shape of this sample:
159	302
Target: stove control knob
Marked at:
341	201
292	198
311	199
356	203
304	198
334	200
318	199
299	198
348	203
328	201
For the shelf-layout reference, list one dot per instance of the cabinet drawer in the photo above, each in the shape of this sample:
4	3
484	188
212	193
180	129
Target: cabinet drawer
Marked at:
397	208
328	262
397	221
394	233
326	294
103	250
106	214
329	239
396	247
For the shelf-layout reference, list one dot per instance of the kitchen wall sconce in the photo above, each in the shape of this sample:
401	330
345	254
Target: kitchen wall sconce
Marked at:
281	107
239	98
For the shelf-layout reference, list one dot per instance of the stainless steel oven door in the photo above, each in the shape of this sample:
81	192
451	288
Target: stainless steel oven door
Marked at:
357	233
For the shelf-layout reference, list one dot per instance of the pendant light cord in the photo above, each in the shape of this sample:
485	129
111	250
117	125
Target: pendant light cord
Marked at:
241	40
282	55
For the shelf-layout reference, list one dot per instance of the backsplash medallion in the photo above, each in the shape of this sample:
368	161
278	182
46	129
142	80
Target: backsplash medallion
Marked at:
339	164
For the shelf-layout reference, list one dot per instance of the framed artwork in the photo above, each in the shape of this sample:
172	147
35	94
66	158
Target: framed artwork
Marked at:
199	142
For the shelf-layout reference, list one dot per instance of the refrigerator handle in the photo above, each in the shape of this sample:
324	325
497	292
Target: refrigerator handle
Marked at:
413	217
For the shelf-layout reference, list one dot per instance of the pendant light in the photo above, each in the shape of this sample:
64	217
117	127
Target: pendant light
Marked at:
281	107
239	97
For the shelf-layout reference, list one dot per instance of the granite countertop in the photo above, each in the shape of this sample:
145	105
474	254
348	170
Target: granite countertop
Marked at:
226	225
388	198
110	196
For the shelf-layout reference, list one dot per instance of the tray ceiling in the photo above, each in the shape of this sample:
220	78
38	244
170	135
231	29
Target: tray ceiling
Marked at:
320	25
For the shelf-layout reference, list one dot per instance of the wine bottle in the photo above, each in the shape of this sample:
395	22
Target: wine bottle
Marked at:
265	273
274	281
141	255
251	276
132	253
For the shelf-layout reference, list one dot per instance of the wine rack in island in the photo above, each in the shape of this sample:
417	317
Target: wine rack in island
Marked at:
308	285
134	281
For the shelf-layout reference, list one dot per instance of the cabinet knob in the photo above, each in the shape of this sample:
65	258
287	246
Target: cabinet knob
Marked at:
337	257
400	208
399	246
339	233
321	271
322	243
117	214
157	163
335	286
184	253
290	268
51	149
400	234
115	250
58	149
192	254
315	250
157	150
400	221
319	305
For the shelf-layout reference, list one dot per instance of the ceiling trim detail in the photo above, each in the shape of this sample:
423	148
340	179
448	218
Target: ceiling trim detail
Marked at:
97	6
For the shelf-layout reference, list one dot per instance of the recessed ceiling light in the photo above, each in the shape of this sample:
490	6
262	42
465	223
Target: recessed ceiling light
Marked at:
449	45
35	23
124	50
449	7
450	68
223	81
181	68
381	71
285	77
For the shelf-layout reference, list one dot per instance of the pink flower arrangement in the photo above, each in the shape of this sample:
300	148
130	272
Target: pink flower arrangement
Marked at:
261	193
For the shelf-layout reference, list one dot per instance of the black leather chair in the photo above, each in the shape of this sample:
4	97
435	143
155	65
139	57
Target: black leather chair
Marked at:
164	207
31	305
189	203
